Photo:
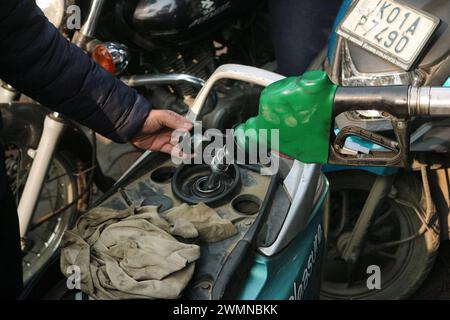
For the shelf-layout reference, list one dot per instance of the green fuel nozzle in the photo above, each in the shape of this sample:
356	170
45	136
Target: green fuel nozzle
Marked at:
299	109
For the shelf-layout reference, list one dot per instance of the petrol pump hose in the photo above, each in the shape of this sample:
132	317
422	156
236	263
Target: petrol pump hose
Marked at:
303	108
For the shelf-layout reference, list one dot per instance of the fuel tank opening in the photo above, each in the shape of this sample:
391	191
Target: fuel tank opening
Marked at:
192	184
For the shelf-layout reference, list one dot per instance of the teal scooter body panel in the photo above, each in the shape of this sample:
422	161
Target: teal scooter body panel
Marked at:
295	272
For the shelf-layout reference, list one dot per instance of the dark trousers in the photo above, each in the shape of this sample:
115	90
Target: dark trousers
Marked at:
11	259
300	30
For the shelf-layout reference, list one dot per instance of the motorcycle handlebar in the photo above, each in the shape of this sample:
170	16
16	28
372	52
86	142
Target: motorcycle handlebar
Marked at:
399	101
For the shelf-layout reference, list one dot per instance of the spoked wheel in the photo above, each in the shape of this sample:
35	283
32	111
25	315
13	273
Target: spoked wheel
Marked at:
403	264
61	189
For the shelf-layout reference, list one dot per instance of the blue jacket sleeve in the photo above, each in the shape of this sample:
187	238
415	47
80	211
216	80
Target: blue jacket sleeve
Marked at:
36	60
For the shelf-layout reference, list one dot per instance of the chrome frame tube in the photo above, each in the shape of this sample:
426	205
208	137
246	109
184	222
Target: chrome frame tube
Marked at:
166	79
95	9
51	134
162	79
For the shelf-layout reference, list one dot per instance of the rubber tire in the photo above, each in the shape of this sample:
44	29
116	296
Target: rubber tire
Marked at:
422	250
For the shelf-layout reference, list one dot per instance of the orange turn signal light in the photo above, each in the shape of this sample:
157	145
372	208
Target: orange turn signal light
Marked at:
102	56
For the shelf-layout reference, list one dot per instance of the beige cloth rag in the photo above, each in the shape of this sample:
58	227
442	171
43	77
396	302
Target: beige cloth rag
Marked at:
131	254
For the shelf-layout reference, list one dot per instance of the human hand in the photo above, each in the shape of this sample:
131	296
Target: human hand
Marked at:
156	133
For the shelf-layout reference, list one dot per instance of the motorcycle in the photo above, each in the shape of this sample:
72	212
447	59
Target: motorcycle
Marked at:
378	214
166	54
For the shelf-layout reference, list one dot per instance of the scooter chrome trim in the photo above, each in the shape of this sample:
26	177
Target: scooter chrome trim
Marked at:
310	184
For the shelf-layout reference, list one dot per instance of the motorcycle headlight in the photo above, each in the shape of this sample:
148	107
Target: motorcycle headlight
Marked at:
54	10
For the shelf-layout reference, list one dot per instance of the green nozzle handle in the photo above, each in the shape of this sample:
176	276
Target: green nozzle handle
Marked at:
297	113
301	111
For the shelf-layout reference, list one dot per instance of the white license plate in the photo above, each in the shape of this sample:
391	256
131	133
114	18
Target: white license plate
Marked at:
390	29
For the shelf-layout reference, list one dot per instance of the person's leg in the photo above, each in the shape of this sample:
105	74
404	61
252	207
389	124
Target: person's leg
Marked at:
300	30
11	260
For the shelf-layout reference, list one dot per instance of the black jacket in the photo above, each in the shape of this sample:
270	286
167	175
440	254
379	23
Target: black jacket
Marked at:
36	60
